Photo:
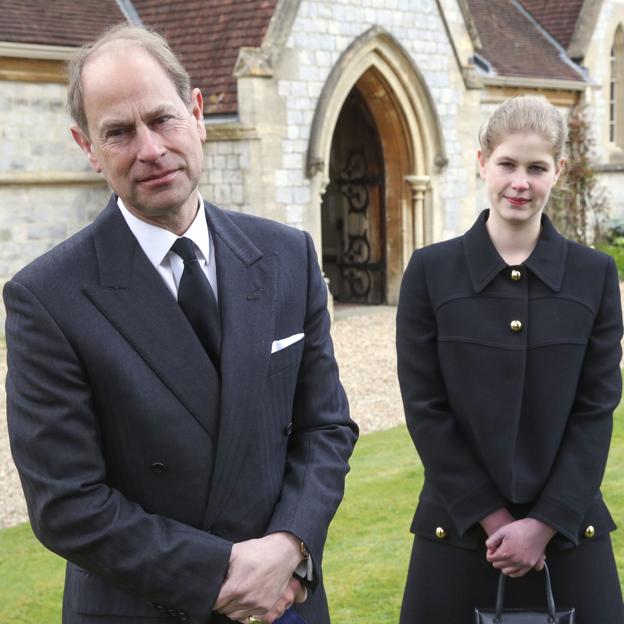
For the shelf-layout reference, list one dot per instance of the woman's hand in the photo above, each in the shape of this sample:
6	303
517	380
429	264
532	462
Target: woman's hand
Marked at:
518	547
496	520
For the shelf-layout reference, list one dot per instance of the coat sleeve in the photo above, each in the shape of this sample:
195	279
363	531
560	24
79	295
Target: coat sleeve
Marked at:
575	478
323	435
450	466
56	446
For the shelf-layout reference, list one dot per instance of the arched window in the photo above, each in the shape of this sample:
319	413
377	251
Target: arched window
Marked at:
616	89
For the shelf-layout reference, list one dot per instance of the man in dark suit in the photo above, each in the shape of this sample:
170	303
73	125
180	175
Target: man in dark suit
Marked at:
174	405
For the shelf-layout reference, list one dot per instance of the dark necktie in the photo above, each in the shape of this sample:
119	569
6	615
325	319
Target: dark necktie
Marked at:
198	301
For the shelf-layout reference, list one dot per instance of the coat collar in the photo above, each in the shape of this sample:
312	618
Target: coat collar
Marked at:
547	261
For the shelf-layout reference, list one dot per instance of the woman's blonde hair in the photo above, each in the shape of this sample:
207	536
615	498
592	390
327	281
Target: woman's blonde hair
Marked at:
520	115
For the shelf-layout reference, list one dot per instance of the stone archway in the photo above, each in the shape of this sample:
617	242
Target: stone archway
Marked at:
380	72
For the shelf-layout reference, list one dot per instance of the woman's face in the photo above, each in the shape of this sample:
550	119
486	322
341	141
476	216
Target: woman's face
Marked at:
519	175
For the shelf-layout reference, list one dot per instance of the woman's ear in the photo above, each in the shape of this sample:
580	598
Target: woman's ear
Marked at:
481	159
559	169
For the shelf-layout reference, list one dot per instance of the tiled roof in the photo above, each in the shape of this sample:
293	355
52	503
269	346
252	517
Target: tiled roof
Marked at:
514	46
56	22
207	35
558	17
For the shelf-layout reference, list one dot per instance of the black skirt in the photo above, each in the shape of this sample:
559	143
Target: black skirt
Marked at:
446	583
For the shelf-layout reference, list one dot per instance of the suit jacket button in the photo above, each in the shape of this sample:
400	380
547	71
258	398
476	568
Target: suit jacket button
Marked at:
440	533
516	275
288	429
158	467
590	531
516	326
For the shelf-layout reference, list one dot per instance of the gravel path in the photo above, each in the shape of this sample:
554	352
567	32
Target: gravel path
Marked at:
364	343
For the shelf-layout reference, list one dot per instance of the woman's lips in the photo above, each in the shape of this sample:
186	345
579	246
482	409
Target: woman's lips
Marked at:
517	201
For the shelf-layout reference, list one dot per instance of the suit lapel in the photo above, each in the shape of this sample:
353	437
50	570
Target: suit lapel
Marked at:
246	283
135	300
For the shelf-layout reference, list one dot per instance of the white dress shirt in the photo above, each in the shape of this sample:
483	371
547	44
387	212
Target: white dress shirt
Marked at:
156	242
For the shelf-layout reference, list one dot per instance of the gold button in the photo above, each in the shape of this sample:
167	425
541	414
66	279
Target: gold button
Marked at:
516	326
440	533
590	531
516	275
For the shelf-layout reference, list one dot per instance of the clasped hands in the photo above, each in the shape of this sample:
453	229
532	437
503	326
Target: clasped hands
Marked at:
515	546
260	580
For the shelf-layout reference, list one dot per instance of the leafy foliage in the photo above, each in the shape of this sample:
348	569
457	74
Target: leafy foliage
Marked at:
579	209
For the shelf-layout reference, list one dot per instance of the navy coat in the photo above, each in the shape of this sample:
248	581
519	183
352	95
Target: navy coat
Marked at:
139	464
509	378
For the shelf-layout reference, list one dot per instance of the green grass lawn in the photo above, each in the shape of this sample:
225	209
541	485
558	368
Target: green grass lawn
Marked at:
366	555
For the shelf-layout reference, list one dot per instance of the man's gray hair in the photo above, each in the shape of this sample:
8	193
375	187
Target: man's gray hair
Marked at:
119	36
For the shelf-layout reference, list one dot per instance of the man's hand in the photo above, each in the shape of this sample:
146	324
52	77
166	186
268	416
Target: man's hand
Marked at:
259	575
517	548
295	592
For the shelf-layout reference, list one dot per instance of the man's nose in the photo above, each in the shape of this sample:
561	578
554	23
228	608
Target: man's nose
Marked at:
149	145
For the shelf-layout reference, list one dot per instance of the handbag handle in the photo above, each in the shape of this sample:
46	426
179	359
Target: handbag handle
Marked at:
501	593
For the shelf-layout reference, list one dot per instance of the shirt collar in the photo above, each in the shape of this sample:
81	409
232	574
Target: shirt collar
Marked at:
547	261
156	241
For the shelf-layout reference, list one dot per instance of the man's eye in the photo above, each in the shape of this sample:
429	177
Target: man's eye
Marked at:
162	119
506	165
116	133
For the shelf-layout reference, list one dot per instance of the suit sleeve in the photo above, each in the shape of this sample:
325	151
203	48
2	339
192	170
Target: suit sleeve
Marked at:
580	464
56	446
463	484
323	434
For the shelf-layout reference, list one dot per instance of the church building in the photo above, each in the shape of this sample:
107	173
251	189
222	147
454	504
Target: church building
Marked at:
356	120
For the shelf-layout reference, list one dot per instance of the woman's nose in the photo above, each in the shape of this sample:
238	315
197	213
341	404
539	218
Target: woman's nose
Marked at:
520	181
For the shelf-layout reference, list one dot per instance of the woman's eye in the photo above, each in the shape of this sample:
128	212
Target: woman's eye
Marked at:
537	168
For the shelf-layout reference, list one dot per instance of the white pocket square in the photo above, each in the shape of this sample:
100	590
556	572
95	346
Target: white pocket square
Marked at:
278	345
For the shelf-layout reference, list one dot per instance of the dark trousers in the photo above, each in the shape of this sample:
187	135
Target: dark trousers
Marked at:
446	583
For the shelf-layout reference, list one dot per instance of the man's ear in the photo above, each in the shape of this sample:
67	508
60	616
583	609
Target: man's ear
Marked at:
86	146
197	111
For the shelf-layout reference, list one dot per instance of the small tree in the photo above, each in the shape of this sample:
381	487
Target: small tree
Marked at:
579	208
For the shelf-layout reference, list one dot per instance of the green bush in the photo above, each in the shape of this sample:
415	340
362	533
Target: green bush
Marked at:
617	251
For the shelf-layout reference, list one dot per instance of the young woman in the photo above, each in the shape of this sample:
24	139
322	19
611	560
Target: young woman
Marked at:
508	342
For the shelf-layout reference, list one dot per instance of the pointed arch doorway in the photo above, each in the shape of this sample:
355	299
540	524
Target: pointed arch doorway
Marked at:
375	146
353	216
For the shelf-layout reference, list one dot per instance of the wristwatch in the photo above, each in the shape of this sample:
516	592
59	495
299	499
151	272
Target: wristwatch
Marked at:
305	553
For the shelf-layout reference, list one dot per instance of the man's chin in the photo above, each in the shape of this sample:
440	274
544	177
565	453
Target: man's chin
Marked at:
160	202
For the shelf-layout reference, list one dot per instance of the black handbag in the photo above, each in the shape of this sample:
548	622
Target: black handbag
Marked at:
499	615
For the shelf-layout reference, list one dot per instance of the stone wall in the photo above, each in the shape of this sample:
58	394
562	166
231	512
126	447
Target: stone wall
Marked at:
321	32
597	61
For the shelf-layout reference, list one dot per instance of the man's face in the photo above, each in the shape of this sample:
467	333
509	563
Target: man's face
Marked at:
142	137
